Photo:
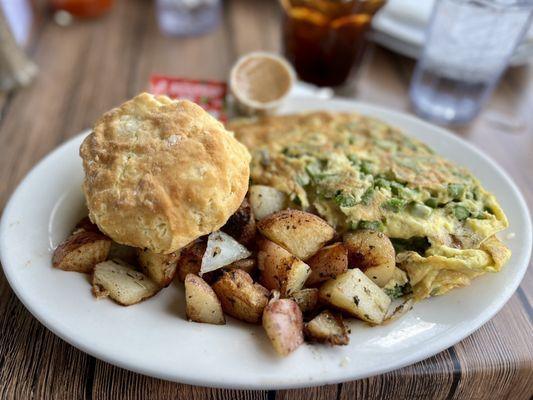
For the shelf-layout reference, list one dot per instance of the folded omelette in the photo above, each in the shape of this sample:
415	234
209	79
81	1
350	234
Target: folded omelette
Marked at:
360	173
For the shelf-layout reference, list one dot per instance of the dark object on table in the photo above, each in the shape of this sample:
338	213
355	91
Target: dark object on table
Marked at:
325	39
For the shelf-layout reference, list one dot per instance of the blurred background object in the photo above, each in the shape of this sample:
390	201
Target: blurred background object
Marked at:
188	17
469	44
401	24
19	15
16	69
325	39
82	8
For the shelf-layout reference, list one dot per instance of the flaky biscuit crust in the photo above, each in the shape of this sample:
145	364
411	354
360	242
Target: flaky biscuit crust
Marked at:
160	173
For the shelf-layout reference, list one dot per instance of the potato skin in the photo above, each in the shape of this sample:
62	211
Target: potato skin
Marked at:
190	259
373	253
300	232
241	225
240	297
81	251
283	323
160	268
280	270
202	304
327	263
327	327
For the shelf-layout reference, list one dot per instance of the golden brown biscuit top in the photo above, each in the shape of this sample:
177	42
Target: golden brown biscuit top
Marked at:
159	173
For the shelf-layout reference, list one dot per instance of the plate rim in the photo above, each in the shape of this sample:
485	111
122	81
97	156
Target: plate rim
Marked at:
358	106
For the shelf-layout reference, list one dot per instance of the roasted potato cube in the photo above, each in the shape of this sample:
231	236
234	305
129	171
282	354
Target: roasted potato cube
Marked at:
372	252
81	251
329	262
279	269
283	323
240	297
247	264
160	268
122	283
300	232
266	200
356	294
202	302
327	327
307	299
190	259
241	225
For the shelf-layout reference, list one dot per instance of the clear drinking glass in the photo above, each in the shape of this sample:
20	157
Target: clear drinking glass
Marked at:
188	17
468	45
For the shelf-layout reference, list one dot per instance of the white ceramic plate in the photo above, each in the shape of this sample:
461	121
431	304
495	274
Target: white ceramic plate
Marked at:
154	337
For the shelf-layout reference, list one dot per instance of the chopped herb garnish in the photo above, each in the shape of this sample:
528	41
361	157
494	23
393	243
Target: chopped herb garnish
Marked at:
461	213
367	196
370	225
356	300
367	167
398	290
382	183
488	209
419	210
345	200
456	190
303	179
291	152
353	158
416	243
396	188
432	202
296	200
394	204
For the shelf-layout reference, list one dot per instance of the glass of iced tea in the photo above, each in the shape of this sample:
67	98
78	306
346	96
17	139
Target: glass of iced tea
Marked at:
325	39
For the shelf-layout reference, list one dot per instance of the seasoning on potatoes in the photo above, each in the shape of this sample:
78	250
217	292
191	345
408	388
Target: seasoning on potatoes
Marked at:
202	304
356	294
373	253
240	297
300	232
327	263
327	327
279	269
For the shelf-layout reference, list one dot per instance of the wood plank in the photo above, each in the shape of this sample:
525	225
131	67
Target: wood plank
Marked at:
498	359
430	379
111	382
314	393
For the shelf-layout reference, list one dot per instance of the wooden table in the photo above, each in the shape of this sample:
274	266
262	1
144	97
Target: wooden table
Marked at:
89	67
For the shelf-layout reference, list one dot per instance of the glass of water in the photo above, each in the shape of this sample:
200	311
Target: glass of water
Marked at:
468	46
188	17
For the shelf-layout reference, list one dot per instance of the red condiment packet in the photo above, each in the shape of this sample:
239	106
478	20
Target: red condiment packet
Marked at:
209	94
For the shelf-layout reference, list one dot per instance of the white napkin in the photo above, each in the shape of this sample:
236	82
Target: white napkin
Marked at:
415	14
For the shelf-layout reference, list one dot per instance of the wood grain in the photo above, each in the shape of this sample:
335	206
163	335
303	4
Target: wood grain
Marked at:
91	66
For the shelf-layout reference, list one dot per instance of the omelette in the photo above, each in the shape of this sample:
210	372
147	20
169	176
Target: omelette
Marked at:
360	173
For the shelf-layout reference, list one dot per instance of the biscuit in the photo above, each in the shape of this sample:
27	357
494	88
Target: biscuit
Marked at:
160	173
